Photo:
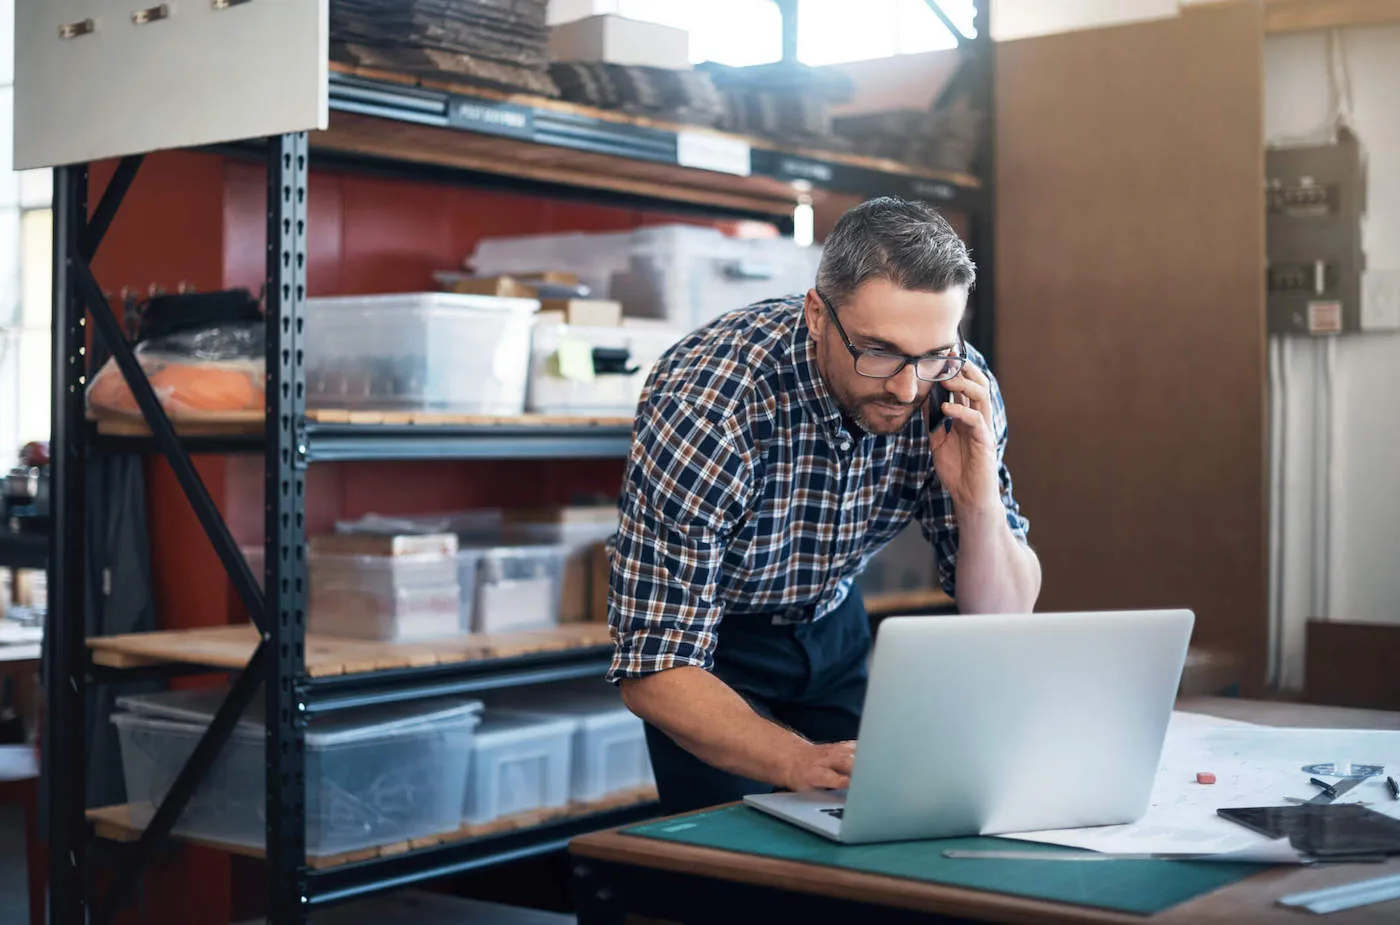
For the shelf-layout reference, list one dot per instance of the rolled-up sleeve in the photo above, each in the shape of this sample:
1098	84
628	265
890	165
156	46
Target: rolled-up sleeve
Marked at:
935	512
684	491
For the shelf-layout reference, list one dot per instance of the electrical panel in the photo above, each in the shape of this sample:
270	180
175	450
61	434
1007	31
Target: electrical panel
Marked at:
1315	197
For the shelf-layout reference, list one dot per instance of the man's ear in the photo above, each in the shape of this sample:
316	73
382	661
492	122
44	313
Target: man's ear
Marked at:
815	313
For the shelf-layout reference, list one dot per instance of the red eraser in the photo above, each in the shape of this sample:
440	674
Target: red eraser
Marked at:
1205	777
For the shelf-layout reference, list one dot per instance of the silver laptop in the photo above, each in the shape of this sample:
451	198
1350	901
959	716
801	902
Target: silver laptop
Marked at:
981	725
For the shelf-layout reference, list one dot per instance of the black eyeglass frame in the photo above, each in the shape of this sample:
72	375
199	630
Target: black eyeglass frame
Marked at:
957	360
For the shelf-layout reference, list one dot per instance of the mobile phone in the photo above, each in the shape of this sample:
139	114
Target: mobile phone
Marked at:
936	397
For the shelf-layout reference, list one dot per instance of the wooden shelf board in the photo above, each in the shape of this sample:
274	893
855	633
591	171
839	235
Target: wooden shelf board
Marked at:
243	423
883	165
372	136
230	647
898	601
115	823
211	424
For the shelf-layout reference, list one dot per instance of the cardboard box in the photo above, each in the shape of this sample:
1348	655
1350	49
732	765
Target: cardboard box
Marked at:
590	313
599	514
574	593
509	287
600	560
619	40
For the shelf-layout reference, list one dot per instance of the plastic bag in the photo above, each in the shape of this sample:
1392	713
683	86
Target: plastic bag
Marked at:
197	366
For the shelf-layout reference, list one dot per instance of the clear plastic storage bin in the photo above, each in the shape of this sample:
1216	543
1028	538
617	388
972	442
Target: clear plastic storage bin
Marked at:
374	777
387	598
383	574
430	351
403	614
686	274
519	764
609	749
623	358
517	588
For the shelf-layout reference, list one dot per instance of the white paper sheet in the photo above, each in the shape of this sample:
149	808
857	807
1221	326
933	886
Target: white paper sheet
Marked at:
1253	766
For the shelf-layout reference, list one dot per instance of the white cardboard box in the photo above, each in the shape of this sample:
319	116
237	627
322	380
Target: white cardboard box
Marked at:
619	40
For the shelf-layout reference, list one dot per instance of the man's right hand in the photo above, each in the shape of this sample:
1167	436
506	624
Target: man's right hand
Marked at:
711	721
824	766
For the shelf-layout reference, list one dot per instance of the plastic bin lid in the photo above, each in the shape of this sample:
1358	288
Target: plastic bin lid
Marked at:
419	300
498	727
588	707
197	708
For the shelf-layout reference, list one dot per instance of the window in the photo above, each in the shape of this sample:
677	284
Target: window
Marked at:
733	32
744	32
26	283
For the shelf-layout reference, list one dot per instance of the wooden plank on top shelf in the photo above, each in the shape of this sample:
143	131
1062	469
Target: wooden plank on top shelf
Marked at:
881	164
117	823
241	423
230	647
1314	15
353	133
893	601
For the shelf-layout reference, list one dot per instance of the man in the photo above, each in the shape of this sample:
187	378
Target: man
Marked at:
775	452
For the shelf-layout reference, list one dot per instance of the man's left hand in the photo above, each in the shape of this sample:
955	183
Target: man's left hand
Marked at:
965	458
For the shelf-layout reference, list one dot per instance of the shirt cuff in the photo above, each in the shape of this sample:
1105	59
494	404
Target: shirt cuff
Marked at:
644	652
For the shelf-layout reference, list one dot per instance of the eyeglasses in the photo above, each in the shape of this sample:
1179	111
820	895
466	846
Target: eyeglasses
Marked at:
883	364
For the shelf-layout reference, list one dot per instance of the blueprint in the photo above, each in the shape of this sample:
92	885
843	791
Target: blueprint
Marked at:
1253	766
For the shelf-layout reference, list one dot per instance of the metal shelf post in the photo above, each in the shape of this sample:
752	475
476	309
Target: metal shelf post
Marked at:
65	682
285	530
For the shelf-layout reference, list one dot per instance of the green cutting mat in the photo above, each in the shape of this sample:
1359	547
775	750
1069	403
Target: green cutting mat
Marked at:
1143	887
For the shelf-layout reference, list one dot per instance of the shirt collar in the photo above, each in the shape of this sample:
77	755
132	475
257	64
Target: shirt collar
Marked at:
811	387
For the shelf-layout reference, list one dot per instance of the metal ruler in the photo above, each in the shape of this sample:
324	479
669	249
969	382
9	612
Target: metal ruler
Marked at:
1347	896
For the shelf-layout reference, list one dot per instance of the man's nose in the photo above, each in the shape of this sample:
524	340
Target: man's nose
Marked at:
903	385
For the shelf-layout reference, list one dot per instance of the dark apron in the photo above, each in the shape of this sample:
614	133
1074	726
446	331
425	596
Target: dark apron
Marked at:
808	676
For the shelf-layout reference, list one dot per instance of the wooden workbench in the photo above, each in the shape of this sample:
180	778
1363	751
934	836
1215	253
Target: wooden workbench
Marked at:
618	875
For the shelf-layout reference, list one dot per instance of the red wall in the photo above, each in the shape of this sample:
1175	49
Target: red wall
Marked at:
200	219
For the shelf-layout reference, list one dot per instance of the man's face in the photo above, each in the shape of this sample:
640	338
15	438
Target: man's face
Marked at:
881	316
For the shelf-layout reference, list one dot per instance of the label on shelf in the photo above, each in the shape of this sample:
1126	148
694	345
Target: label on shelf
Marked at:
930	190
800	168
705	151
493	118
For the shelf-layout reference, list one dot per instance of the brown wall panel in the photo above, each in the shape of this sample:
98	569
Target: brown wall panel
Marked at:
1130	315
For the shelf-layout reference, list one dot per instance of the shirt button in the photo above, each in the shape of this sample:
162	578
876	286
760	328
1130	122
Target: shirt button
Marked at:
844	443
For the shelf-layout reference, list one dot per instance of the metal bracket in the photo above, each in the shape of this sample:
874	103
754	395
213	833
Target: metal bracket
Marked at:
72	30
150	14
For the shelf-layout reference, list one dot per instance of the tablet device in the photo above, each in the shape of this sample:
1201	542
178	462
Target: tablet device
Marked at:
1323	830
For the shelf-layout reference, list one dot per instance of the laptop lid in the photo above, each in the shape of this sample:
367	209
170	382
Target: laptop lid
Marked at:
1007	723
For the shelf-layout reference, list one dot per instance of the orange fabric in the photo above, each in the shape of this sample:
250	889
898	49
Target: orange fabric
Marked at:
182	387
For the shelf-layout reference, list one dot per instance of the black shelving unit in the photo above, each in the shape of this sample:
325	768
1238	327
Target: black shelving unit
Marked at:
289	443
362	442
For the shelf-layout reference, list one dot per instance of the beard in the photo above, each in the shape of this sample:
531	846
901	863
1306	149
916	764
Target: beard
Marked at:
881	417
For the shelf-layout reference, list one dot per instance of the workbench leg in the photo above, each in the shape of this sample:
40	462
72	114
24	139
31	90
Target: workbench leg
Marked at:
595	902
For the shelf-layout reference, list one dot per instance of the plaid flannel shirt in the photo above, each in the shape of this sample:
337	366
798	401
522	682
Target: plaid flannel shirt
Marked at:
745	492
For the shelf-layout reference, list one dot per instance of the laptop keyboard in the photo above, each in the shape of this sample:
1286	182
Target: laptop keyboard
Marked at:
835	812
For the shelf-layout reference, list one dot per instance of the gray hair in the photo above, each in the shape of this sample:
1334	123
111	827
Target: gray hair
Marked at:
907	243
